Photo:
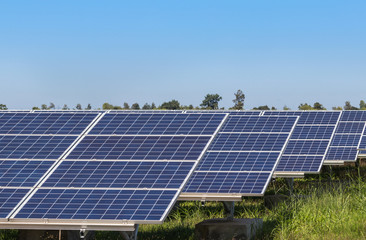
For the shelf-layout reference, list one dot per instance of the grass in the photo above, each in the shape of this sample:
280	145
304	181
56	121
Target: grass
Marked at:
319	209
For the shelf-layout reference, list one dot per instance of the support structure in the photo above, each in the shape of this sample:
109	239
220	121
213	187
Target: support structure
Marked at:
229	209
290	185
130	235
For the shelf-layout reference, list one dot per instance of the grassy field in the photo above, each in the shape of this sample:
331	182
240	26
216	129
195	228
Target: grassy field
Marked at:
320	208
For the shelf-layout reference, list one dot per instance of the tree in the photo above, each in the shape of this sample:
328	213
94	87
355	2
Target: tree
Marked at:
318	106
51	106
239	100
286	108
89	107
146	106
273	108
153	106
44	107
211	101
65	107
35	108
135	106
107	106
126	106
78	106
337	108
171	105
362	105
3	107
305	106
265	107
348	106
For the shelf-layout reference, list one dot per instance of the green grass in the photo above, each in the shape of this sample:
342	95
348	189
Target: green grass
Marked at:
319	209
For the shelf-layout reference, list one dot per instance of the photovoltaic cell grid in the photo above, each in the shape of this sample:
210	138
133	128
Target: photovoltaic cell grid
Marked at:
131	171
30	144
243	156
309	142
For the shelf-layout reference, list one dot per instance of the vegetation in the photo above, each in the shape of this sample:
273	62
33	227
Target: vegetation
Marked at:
211	101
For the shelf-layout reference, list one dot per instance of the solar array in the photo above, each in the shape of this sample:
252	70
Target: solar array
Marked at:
123	169
242	158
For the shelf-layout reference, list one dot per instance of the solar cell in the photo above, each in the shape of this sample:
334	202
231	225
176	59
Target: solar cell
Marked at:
309	147
44	123
298	163
342	153
309	117
9	198
34	147
312	132
231	112
353	116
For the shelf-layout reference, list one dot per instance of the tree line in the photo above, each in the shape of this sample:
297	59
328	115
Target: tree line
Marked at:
210	102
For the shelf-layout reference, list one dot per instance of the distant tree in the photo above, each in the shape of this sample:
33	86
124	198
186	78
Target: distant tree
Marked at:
362	105
146	106
116	107
318	106
211	101
337	108
239	100
3	107
153	106
107	106
35	108
89	107
44	107
78	106
135	106
348	106
273	108
126	106
305	106
65	107
190	106
286	108
171	105
51	106
265	107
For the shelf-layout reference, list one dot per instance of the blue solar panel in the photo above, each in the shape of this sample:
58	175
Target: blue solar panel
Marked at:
231	112
140	147
299	163
309	117
98	204
44	123
9	198
353	116
345	140
119	174
228	182
300	147
238	161
342	153
173	124
22	173
262	124
248	142
34	147
312	132
350	127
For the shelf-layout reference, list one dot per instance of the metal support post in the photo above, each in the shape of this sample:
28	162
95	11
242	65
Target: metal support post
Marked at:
229	207
130	235
290	185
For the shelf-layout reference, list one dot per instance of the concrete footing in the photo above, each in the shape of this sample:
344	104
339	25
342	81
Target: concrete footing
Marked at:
223	229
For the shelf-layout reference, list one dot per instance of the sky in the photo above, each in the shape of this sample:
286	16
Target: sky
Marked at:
277	52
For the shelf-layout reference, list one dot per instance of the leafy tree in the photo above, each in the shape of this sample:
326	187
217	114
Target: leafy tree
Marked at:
286	108
153	106
135	106
265	107
35	108
89	107
65	107
305	106
348	106
362	105
239	100
171	105
211	101
44	107
107	106
273	108
126	106
115	107
3	107
318	106
337	108
51	106
146	106
78	106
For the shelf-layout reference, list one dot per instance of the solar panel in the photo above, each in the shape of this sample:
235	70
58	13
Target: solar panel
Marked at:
242	157
130	172
347	137
9	198
231	112
309	142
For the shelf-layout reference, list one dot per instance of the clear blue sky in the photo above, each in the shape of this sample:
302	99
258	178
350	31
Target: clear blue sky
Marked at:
277	52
